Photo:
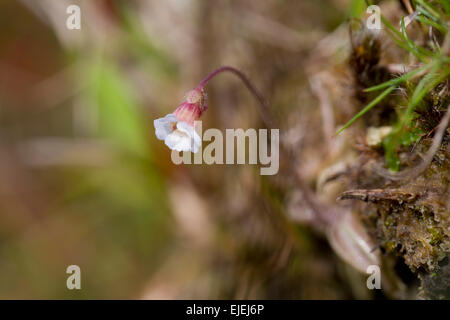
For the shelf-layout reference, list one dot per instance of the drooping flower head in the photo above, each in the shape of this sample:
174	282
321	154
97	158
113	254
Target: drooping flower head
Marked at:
177	129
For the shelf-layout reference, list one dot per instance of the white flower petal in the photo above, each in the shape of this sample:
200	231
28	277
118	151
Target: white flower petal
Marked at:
179	141
196	141
164	126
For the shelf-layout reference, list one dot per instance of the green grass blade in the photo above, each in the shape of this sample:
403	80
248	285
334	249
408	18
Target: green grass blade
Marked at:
397	41
400	79
430	8
428	82
432	23
390	27
366	108
413	48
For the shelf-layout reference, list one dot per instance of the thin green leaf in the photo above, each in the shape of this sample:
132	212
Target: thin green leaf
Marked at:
373	103
428	82
414	49
390	26
432	23
398	41
400	79
430	8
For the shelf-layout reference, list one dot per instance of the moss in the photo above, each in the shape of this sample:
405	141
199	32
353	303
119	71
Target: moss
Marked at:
436	285
417	230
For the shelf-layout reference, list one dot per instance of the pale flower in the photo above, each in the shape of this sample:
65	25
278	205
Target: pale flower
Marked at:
178	128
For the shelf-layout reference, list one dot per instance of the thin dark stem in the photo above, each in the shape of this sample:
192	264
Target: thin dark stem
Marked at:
264	109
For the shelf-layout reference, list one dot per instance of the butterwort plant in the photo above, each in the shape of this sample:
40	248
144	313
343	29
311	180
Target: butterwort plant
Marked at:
344	231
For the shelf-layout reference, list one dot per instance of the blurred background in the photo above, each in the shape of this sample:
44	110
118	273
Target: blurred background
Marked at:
84	181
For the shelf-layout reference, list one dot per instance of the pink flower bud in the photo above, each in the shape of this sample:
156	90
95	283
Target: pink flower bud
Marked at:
192	107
